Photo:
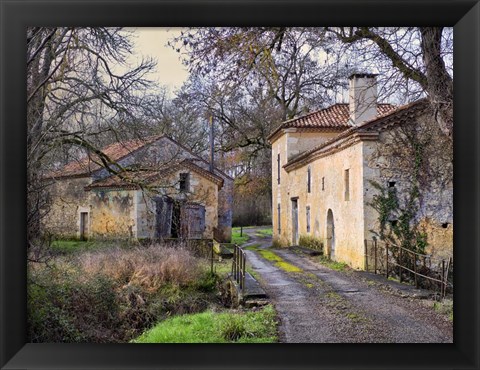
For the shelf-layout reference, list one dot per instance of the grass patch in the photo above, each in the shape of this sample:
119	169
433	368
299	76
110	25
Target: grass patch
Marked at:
264	232
311	242
213	327
445	308
73	246
278	261
253	247
111	295
334	265
236	238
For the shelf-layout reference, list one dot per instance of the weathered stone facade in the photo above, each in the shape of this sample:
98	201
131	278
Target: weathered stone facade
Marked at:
95	204
324	189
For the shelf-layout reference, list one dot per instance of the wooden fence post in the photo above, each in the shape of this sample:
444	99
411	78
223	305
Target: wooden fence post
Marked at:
415	269
211	255
375	249
366	256
400	263
443	279
386	260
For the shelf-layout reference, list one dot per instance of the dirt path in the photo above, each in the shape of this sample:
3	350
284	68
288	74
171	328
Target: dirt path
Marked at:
321	305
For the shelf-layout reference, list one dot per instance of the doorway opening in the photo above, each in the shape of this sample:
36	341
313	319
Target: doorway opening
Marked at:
294	221
330	235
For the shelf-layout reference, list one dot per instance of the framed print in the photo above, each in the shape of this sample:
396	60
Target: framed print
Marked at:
172	174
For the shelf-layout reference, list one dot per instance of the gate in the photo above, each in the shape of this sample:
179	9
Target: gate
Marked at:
238	266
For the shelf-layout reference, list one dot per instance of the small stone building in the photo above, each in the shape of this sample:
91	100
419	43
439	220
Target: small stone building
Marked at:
328	165
160	190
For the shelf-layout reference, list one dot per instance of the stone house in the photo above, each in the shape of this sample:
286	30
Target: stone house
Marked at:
160	190
325	165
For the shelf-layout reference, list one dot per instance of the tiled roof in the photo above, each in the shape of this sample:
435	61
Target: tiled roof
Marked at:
334	117
114	151
133	179
395	115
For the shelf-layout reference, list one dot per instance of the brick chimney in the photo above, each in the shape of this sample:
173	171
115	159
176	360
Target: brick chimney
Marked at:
362	97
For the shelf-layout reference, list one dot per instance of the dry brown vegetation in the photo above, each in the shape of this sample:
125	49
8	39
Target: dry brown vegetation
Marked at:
147	267
113	294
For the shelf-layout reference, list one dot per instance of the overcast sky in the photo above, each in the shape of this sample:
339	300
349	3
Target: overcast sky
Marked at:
153	42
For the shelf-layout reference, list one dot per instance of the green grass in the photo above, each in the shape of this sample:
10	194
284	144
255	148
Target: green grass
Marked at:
264	232
236	238
445	308
215	327
252	247
334	265
278	261
73	246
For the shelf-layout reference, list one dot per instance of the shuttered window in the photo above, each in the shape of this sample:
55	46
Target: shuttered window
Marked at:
279	219
185	182
347	184
309	179
308	219
278	168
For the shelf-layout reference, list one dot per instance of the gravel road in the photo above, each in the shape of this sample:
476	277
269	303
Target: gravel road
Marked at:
321	305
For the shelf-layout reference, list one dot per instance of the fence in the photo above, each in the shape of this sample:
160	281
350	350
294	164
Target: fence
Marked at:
409	266
238	266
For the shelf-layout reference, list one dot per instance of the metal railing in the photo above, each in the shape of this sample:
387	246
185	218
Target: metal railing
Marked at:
409	266
238	266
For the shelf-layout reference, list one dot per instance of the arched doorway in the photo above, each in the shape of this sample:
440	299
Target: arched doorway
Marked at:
330	235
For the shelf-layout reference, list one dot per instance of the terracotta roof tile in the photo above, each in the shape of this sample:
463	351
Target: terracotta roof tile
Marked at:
382	120
133	179
114	151
334	117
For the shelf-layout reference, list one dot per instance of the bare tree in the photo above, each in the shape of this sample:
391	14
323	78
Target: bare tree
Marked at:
79	88
422	55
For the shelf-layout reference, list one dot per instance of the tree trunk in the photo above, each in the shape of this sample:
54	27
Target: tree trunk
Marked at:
439	83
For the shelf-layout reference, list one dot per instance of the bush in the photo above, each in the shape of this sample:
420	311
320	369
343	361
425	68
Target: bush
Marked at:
112	295
311	242
279	242
149	267
233	329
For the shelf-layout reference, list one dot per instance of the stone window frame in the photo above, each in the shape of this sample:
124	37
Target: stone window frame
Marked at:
184	182
308	216
309	179
279	219
278	168
346	184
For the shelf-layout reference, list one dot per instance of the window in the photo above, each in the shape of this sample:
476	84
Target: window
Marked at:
347	184
184	182
391	184
278	168
323	183
309	179
308	219
278	219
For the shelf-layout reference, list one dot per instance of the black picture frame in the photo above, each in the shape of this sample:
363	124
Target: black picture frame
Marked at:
464	15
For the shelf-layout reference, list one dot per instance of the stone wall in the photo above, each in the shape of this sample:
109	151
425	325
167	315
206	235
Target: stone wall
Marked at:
112	214
67	200
391	160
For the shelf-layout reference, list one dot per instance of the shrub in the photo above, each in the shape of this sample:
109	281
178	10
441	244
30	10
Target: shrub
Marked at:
113	294
279	242
149	267
233	329
311	242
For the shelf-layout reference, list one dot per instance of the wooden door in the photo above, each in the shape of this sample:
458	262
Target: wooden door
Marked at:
83	225
295	221
193	221
163	217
